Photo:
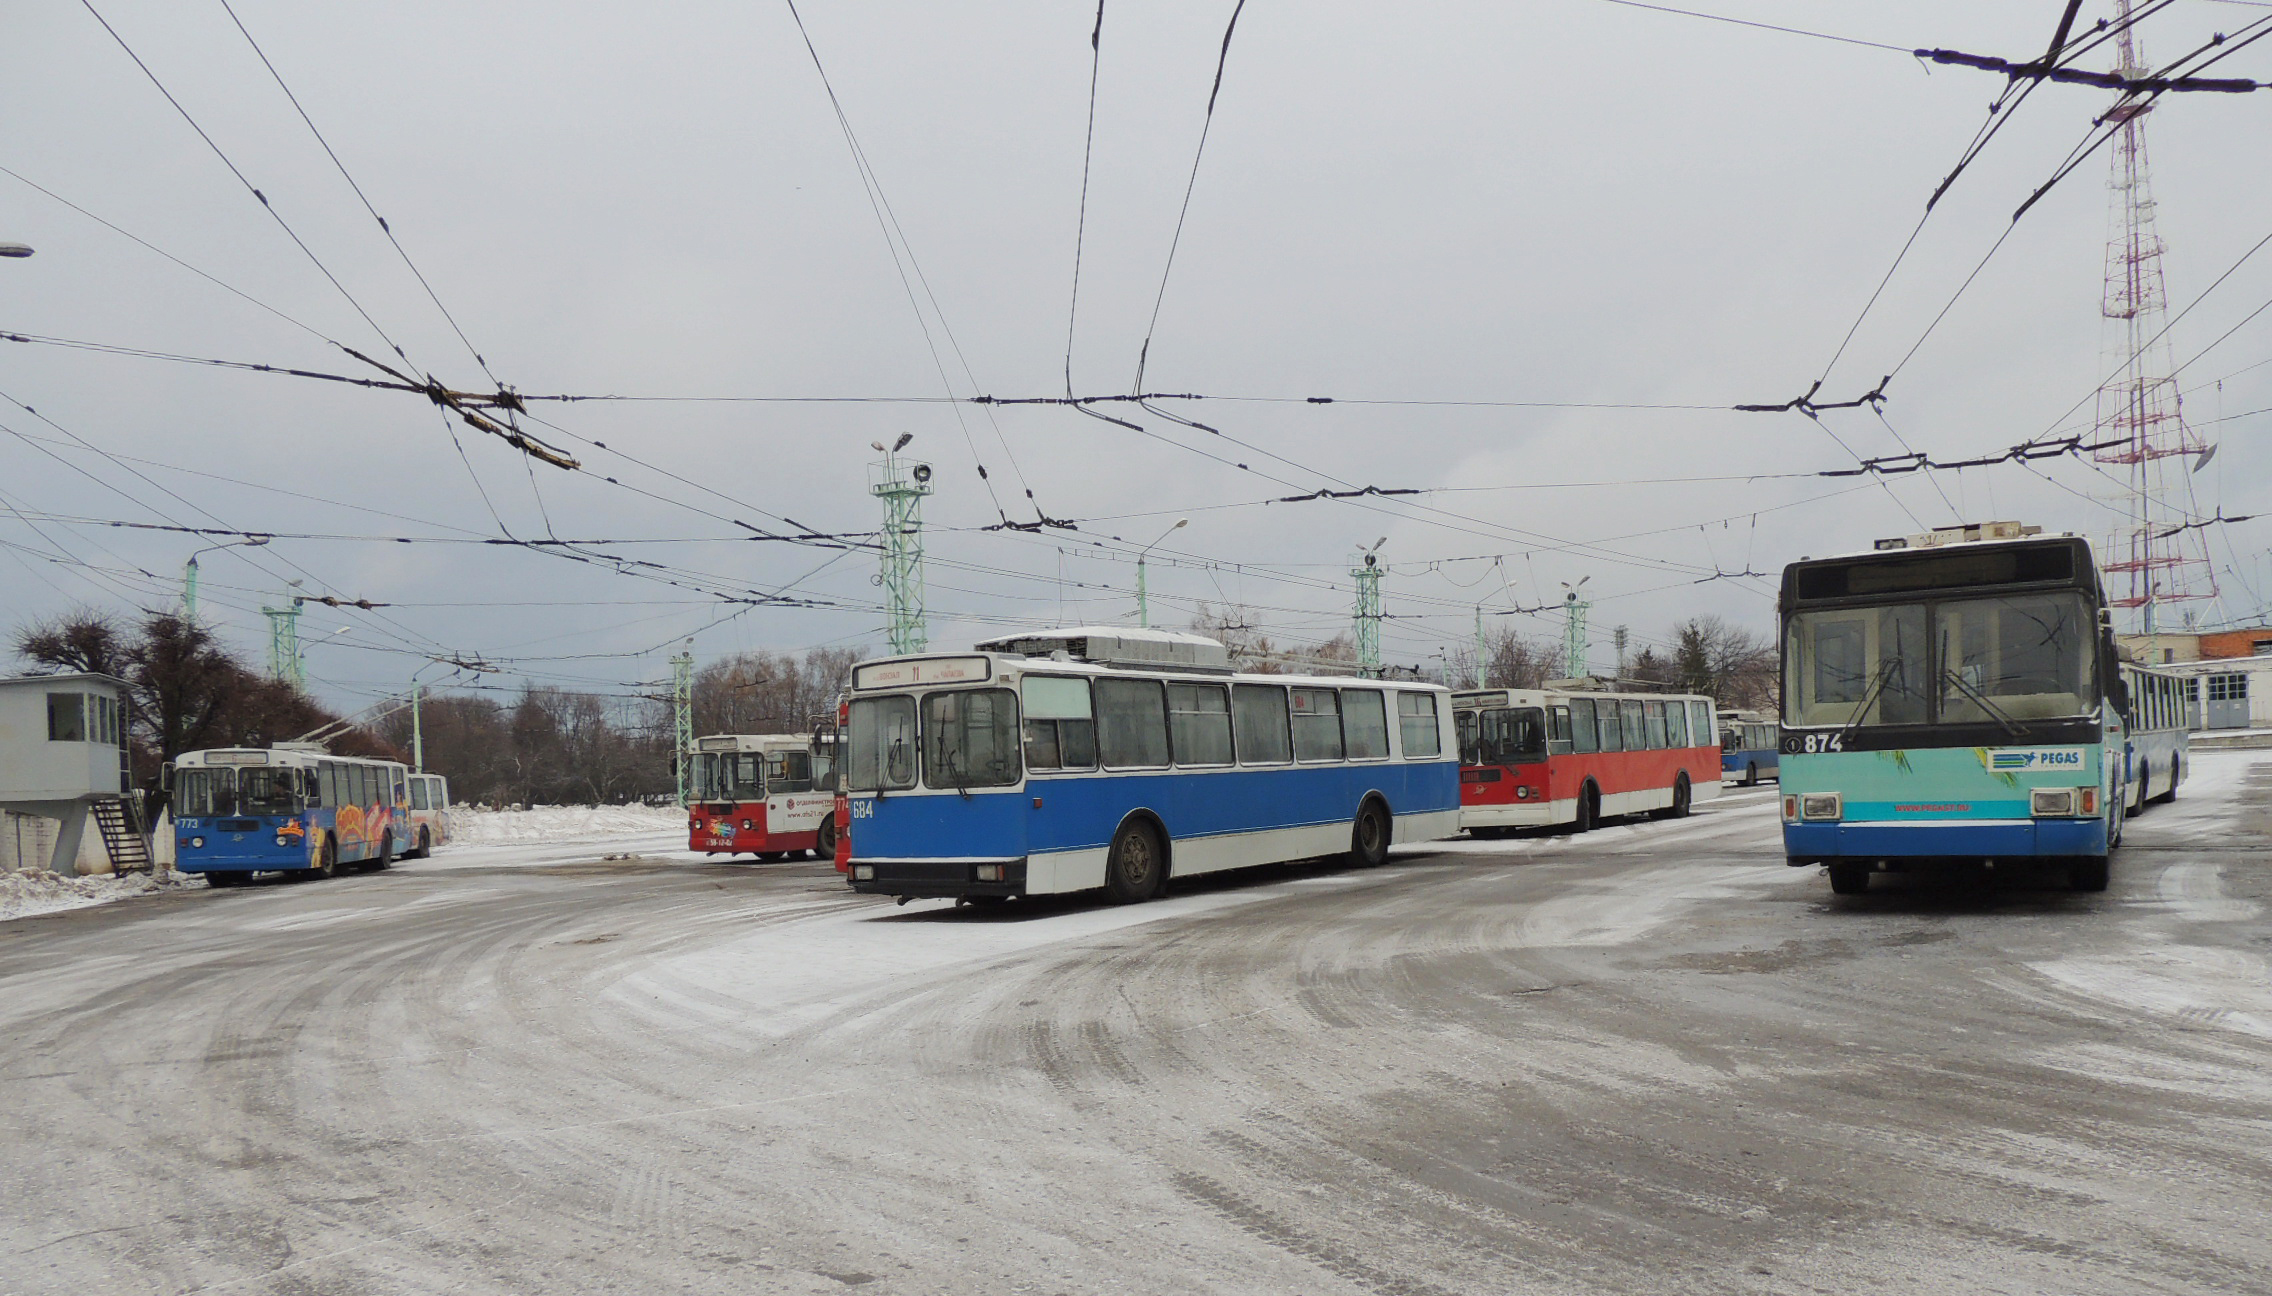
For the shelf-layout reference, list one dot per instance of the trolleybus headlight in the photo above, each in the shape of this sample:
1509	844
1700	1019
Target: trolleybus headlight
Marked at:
2051	803
1820	805
863	872
197	843
746	825
281	842
989	872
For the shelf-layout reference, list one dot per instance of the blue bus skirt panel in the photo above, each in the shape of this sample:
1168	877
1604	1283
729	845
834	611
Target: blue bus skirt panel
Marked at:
1984	838
1060	826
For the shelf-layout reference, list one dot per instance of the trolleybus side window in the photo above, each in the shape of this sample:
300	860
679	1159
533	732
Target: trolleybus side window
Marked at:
418	797
882	737
1364	719
1607	713
1585	734
1676	724
1132	723
1700	721
1258	717
1061	726
1418	726
1636	731
788	771
1199	724
1317	724
970	739
1654	717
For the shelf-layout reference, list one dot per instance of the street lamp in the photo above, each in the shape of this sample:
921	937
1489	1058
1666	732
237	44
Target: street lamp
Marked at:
189	571
17	250
417	729
1143	609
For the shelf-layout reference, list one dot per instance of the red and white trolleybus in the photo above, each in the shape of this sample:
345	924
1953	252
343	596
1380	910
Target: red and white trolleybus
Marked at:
1534	757
768	795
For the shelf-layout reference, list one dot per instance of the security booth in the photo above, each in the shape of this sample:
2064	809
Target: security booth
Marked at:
63	756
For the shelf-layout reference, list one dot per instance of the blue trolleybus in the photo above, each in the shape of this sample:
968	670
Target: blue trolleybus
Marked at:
2161	717
1109	758
243	811
1953	696
1748	747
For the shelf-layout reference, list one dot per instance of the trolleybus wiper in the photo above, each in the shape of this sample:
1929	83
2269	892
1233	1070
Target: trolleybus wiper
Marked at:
1869	697
1980	699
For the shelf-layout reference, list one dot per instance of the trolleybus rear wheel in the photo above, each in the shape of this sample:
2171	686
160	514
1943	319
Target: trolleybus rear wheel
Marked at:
1134	867
1679	807
1848	877
1368	838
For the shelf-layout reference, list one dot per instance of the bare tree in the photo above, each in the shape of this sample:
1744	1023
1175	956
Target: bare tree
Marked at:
1735	665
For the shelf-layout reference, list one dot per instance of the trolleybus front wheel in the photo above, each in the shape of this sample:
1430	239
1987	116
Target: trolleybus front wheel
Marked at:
1135	867
327	859
2175	773
1589	810
824	842
2087	873
1849	877
227	878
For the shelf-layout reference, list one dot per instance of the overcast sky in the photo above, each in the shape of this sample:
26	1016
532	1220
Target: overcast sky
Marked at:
1579	205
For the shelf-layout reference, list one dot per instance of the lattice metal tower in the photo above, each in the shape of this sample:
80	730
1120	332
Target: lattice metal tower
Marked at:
2140	406
1368	617
284	644
682	717
1574	644
901	485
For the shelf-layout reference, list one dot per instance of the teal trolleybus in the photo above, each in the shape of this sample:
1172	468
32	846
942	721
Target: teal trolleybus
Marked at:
1116	759
241	811
1954	696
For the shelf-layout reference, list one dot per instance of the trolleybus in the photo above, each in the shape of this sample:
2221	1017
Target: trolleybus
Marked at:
1748	747
429	814
1071	760
768	795
2161	720
1535	757
241	811
1952	695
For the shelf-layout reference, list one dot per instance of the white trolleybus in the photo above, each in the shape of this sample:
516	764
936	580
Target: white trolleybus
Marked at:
1072	760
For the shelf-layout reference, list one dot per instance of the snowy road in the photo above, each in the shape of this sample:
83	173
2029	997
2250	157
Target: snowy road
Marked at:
1651	1059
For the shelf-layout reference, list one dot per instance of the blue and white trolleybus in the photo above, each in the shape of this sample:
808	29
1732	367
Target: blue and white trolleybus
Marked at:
1071	760
240	811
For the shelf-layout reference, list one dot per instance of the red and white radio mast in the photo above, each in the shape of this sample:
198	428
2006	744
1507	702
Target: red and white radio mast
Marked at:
2140	407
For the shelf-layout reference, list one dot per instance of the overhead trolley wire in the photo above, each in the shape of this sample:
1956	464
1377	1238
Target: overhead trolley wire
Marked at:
1206	125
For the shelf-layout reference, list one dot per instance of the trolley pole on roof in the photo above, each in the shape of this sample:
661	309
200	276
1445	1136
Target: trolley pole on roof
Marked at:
902	486
682	717
1574	644
1368	618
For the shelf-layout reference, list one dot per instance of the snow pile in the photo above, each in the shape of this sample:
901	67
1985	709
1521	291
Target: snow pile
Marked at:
480	827
37	892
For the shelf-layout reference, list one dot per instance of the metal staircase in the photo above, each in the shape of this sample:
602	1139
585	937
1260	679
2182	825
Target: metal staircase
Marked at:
120	821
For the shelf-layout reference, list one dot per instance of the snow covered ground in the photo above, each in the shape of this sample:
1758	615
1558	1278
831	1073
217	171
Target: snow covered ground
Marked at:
24	894
475	826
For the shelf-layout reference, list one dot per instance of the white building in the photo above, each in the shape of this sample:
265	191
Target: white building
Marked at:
62	750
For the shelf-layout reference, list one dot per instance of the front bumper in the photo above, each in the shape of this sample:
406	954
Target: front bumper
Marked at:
936	879
1507	814
1808	843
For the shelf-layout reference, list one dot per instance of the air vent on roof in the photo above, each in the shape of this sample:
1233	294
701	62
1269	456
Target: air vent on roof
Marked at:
1116	646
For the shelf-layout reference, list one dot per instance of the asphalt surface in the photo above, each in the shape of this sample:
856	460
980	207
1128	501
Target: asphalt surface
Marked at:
1651	1059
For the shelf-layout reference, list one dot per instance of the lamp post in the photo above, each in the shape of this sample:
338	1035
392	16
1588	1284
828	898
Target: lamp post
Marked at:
1143	608
417	727
189	572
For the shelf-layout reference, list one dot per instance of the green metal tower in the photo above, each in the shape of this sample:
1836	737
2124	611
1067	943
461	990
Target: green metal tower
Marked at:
1369	615
1574	645
284	644
901	485
682	717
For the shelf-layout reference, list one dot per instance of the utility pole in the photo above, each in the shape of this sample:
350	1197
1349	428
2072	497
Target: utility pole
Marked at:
284	643
682	717
1617	636
1574	629
1368	617
1482	665
902	486
417	732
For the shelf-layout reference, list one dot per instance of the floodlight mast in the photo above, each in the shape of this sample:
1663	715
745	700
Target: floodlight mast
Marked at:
902	488
1368	616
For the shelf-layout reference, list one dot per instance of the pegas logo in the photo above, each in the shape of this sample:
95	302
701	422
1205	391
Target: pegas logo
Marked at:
2022	759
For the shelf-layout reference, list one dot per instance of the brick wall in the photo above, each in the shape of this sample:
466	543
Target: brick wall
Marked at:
2234	643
